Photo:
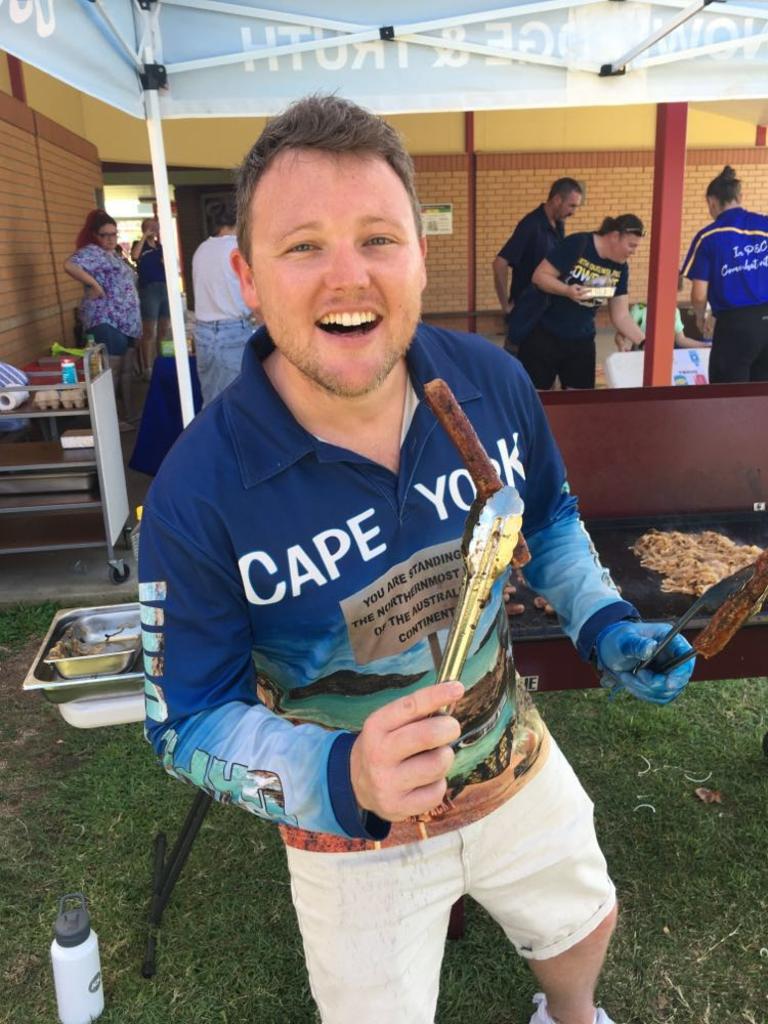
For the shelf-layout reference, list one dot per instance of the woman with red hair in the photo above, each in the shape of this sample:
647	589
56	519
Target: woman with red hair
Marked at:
109	309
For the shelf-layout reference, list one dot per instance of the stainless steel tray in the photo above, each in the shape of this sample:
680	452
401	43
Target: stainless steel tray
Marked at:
113	660
92	624
47	483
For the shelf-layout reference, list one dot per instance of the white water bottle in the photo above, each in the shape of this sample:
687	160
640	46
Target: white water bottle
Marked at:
76	965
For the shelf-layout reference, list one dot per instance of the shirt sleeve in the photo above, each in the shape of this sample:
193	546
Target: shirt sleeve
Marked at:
623	286
564	255
203	715
89	258
698	262
507	251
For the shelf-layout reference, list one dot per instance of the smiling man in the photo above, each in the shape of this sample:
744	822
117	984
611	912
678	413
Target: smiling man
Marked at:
300	566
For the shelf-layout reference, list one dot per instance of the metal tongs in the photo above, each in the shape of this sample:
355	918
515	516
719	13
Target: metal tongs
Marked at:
490	537
708	603
491	532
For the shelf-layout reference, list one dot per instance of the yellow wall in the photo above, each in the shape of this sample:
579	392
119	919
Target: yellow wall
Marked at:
427	134
705	130
597	128
56	100
525	131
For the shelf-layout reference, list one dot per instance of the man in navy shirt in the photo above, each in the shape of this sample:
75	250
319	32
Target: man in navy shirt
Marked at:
534	238
727	264
300	565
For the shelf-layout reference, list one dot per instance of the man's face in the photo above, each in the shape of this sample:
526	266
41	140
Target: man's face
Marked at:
336	268
567	205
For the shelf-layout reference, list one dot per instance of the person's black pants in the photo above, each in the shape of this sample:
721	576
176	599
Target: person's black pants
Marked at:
546	356
740	345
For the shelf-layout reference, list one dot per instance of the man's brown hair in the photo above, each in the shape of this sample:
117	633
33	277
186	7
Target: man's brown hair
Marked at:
329	124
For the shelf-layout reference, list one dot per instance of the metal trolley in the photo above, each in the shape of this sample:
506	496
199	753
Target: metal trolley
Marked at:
52	499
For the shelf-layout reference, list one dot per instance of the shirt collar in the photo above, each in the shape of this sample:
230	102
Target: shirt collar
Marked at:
733	213
559	225
268	440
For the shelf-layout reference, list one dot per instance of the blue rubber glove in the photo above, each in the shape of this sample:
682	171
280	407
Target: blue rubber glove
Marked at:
622	645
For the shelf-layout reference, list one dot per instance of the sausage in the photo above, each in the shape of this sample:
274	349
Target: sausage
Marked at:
734	612
521	555
454	422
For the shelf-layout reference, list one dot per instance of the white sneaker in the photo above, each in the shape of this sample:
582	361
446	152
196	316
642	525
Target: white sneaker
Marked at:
541	1016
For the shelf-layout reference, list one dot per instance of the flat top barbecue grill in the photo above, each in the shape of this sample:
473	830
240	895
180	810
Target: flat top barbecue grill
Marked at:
684	459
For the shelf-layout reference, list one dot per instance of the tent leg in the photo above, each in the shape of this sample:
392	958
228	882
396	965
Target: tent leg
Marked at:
167	232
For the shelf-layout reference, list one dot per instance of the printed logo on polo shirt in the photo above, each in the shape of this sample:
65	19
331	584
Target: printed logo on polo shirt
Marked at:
271	577
602	280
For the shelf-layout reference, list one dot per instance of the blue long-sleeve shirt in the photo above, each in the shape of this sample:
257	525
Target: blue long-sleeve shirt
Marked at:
290	587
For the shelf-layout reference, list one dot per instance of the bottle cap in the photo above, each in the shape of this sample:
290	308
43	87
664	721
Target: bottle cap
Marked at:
72	926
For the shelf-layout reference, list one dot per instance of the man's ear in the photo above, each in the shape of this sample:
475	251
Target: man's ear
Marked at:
245	277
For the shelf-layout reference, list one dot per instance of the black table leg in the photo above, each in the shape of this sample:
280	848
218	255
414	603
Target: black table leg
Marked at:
167	871
456	920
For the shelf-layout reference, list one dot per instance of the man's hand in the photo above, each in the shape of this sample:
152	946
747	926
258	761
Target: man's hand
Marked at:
621	646
400	760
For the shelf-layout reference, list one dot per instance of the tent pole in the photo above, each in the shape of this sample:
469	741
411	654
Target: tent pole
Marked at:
666	228
469	149
153	78
170	252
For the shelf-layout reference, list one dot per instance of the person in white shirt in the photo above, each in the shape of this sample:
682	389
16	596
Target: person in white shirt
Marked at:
223	323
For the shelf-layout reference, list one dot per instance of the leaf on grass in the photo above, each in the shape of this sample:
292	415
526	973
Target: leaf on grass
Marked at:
709	796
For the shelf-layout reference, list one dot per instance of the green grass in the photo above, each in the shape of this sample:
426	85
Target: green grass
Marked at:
691	948
19	622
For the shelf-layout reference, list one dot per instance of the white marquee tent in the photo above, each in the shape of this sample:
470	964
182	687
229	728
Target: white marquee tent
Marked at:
159	59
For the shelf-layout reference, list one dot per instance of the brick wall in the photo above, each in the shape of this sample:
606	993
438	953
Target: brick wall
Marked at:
443	179
511	184
48	179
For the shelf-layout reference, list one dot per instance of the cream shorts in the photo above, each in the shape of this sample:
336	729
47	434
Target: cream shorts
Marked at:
373	923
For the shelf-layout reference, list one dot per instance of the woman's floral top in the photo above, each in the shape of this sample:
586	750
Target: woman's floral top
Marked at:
120	305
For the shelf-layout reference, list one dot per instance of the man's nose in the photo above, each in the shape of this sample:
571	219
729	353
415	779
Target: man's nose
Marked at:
346	268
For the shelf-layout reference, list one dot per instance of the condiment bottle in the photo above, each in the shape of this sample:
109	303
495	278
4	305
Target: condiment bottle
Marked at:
68	371
93	356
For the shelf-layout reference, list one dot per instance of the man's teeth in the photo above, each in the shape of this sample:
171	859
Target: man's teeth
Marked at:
348	319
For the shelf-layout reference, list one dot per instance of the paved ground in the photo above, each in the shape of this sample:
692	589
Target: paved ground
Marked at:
73	578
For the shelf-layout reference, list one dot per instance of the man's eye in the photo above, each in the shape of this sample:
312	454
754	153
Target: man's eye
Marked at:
379	240
302	247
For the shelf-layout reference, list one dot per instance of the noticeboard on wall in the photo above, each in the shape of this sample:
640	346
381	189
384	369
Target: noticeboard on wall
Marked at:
437	218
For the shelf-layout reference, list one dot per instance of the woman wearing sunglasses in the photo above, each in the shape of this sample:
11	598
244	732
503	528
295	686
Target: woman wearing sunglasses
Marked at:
109	309
587	270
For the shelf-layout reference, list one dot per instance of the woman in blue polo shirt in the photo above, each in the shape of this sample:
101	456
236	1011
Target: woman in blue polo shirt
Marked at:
727	264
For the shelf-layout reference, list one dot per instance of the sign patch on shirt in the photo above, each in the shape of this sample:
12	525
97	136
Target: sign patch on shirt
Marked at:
412	599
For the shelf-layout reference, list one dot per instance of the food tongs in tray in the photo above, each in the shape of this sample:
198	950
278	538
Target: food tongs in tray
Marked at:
731	602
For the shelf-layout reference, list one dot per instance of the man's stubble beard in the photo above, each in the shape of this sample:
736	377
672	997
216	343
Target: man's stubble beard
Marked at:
312	369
